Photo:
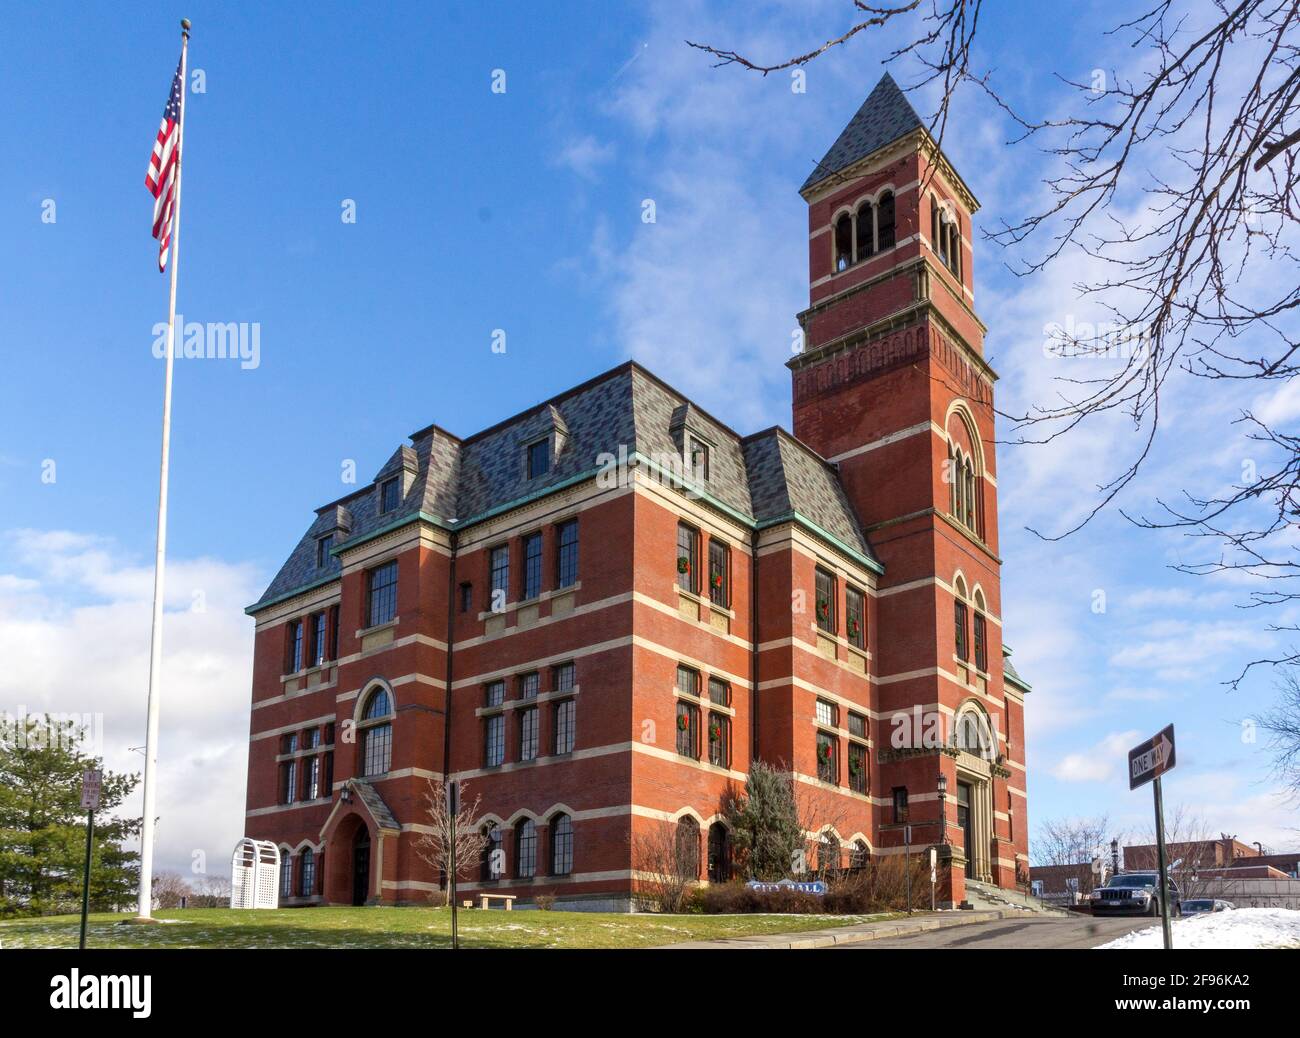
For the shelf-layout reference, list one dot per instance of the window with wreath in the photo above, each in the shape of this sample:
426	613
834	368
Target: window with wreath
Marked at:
827	751
688	550
492	861
561	845
307	872
526	849
377	733
688	730
719	740
855	617
824	600
719	574
857	767
381	594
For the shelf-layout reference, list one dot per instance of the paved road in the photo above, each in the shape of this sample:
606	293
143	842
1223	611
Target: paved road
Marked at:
1031	932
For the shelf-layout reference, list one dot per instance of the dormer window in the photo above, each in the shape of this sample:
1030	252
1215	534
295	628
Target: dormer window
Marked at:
323	546
539	458
390	494
697	456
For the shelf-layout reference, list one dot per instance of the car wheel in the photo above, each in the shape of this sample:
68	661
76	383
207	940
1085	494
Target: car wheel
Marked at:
1155	908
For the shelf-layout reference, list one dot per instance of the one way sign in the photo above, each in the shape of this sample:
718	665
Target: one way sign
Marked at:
1151	759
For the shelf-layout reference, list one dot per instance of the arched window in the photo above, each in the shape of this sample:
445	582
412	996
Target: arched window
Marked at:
980	631
973	735
561	845
307	872
969	485
492	865
843	242
719	853
377	733
865	234
828	854
687	847
885	222
526	849
286	874
858	857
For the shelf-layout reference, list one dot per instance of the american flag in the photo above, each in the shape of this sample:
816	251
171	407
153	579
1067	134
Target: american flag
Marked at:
161	178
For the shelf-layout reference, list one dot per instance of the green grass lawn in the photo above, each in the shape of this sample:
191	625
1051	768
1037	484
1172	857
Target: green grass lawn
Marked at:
400	928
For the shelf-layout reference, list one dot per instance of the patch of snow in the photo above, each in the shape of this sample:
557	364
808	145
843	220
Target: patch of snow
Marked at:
1241	928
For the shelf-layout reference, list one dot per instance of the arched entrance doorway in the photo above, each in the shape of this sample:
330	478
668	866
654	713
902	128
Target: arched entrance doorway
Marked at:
361	866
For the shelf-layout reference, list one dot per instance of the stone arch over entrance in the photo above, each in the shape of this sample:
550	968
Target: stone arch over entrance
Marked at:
361	837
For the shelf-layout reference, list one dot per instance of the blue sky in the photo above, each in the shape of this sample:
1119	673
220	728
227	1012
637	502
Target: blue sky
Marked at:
519	211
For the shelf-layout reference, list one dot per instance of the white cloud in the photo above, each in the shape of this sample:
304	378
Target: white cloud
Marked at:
74	634
1098	764
584	155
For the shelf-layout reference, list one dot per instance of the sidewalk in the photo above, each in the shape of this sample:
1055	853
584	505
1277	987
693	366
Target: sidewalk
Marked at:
862	932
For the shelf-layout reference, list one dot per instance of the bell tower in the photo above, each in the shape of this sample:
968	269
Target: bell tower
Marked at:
893	388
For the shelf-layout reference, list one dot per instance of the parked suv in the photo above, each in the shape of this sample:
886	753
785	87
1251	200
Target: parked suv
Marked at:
1134	893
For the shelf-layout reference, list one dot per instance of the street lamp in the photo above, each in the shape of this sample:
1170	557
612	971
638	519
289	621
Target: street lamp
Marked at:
1114	856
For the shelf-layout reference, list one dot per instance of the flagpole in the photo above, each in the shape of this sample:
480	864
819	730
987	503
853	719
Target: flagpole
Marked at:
144	908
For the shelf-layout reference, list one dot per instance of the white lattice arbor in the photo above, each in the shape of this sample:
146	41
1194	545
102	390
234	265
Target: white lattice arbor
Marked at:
255	874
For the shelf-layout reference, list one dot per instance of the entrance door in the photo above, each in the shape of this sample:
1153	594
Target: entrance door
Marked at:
966	820
361	867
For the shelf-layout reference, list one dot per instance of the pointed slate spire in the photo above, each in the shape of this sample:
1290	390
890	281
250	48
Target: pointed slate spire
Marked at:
885	116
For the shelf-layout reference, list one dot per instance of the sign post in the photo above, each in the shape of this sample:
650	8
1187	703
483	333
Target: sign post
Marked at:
1147	762
91	784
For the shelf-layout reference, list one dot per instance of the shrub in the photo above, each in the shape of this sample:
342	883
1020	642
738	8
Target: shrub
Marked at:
878	887
545	902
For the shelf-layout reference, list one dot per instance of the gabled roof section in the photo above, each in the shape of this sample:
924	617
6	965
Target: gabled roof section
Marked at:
788	478
885	116
625	413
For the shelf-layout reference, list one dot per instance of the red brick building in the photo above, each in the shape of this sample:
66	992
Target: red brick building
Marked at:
597	613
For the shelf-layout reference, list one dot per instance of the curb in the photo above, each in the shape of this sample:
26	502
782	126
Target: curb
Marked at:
848	935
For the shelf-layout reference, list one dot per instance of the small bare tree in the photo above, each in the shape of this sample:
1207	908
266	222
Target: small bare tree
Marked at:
168	888
666	855
435	846
1282	723
1070	841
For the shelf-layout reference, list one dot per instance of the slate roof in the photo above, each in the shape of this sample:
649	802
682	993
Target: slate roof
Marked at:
379	811
1010	673
766	477
885	116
